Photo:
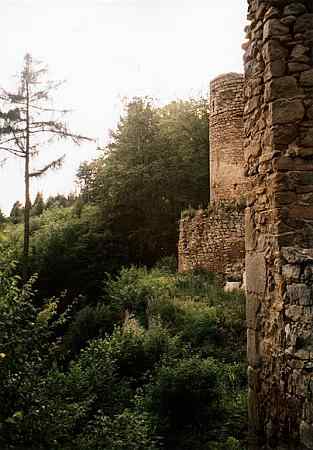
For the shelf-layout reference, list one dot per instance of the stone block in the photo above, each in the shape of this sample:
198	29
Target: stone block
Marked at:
250	232
256	275
301	212
253	378
299	293
274	28
252	349
291	272
294	313
306	78
299	53
294	9
275	69
295	67
253	412
284	134
306	138
286	111
306	434
295	255
303	23
284	87
273	51
252	308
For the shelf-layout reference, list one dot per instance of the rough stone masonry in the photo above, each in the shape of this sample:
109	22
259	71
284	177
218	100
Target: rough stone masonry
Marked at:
214	239
227	180
278	120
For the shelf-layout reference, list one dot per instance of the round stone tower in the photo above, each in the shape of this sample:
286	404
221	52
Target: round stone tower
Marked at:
227	181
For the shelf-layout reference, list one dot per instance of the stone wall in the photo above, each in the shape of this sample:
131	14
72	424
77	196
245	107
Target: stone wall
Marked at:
216	241
227	181
278	120
212	240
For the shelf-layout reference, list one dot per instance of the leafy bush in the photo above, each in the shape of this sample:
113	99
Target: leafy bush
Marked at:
126	431
157	362
167	265
185	399
89	323
25	353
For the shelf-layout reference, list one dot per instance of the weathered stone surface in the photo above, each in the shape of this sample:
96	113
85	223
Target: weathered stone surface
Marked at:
306	78
306	434
212	241
286	111
294	255
299	53
284	87
304	23
215	239
256	279
294	9
294	313
284	134
252	307
250	233
299	293
271	12
295	67
252	348
275	69
274	28
306	137
232	286
227	181
291	272
288	20
273	51
279	228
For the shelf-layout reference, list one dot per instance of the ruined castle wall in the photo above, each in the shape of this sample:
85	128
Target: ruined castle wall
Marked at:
211	240
227	181
278	120
216	241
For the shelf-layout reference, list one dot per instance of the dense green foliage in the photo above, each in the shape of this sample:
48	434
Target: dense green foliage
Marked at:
69	248
130	203
155	166
148	366
97	353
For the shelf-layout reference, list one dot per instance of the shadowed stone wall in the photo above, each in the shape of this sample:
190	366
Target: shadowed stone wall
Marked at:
212	240
278	120
227	181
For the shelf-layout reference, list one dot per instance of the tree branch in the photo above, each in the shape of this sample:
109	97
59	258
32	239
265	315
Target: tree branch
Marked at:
15	152
56	164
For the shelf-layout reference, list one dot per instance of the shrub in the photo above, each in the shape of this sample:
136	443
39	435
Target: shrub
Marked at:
167	265
126	431
185	398
89	323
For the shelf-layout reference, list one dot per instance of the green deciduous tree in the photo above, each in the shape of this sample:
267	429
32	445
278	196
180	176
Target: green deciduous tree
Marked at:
17	213
3	219
28	124
38	205
155	166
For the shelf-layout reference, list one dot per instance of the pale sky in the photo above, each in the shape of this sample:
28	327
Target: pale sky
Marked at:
110	49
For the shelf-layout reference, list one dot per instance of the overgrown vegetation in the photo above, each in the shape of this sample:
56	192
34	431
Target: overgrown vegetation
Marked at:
222	207
155	165
156	363
106	346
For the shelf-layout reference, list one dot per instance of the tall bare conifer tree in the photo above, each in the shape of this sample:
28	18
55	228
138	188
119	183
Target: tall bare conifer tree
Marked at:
28	124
